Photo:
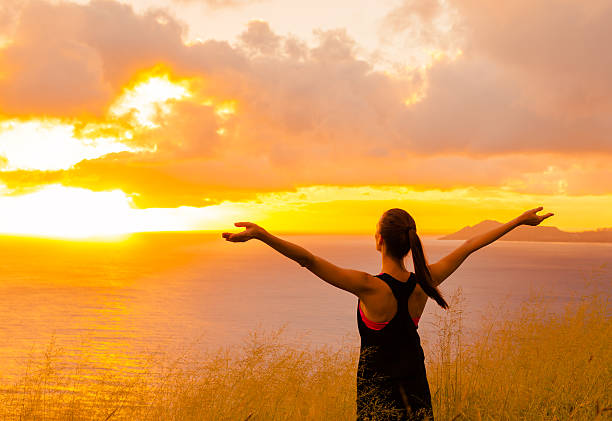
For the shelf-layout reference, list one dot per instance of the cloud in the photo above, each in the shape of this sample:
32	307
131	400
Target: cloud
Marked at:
422	26
476	106
260	38
531	77
416	17
220	4
93	51
318	114
202	182
556	49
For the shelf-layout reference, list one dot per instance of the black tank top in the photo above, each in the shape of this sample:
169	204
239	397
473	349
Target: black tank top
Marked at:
395	350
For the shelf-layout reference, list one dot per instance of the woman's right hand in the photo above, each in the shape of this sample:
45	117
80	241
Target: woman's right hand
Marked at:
531	217
252	231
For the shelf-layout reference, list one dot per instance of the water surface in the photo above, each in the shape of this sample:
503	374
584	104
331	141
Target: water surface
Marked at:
120	301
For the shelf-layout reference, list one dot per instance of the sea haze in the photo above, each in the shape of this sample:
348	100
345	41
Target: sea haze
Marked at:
159	292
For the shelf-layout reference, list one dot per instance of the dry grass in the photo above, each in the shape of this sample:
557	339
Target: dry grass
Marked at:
536	366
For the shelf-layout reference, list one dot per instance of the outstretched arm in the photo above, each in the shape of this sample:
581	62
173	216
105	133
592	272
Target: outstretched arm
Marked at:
354	281
447	265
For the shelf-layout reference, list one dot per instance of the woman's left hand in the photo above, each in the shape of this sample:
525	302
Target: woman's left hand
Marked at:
531	217
251	231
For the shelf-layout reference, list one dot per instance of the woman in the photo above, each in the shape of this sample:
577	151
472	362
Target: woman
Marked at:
391	378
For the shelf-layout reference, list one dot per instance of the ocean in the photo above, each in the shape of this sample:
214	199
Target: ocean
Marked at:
120	301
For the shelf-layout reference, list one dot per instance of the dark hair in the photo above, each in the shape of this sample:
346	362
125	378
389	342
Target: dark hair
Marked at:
398	231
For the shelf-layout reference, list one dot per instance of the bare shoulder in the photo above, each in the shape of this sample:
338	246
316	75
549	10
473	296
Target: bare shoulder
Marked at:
377	301
376	285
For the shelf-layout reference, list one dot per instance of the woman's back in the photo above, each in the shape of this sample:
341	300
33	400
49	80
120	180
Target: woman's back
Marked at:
391	372
398	338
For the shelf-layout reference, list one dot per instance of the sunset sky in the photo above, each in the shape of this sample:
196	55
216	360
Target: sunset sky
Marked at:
147	115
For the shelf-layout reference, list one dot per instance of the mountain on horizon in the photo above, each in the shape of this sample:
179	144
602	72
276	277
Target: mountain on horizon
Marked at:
533	233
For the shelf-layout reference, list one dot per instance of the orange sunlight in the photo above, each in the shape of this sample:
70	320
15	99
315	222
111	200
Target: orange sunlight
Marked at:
59	210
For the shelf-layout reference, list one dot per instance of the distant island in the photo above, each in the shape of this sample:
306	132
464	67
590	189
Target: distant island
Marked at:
534	233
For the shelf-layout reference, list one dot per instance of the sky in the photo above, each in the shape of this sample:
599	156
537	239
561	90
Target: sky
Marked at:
156	115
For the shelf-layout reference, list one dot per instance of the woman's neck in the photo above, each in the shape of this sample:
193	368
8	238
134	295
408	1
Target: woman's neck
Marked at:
393	267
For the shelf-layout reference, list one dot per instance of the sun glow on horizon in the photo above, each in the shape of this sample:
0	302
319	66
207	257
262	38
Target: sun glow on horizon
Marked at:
69	212
74	213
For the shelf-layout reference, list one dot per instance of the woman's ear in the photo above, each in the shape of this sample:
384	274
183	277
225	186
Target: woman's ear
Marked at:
379	241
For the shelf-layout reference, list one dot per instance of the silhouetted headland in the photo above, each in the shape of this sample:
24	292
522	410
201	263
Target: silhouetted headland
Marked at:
537	233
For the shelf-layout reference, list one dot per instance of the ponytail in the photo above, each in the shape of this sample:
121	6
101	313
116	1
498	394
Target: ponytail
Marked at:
423	276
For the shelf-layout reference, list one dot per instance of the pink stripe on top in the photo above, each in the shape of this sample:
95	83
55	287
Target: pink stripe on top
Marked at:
379	325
